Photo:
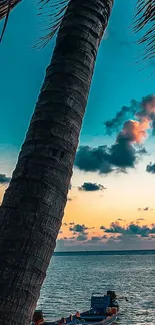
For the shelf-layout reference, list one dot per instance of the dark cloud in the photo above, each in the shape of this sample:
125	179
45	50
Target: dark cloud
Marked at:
130	230
65	224
4	179
140	219
71	223
115	228
91	159
122	153
150	168
78	228
104	159
81	231
91	187
103	228
125	112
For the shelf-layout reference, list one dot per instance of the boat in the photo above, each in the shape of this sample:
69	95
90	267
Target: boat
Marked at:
103	311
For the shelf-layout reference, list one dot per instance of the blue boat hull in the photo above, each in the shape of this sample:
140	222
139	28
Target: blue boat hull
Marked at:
103	321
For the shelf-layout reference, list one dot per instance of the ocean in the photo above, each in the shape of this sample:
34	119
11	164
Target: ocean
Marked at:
72	277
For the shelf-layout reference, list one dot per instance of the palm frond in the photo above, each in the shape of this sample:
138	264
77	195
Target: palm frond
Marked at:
5	7
144	19
53	11
4	4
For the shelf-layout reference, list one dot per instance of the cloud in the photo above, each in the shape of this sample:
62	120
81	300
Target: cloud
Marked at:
91	187
104	159
126	150
130	230
115	228
150	168
125	112
103	228
134	131
144	209
140	219
78	228
106	244
91	159
141	111
81	232
122	153
4	179
118	157
82	237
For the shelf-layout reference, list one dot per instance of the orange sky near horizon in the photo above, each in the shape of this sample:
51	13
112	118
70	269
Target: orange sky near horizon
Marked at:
120	200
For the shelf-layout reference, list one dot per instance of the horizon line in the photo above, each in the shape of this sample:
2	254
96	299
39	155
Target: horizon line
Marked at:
106	251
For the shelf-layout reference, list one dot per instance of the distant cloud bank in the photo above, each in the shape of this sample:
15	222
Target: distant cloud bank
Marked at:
114	237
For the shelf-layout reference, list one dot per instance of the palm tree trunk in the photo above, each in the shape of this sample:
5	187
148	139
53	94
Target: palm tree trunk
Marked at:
33	205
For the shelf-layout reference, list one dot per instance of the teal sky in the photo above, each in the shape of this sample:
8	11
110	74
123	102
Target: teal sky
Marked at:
116	82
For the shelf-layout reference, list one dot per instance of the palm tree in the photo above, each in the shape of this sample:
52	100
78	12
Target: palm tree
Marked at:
33	206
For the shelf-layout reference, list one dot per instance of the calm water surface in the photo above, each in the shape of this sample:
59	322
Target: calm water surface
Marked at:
71	280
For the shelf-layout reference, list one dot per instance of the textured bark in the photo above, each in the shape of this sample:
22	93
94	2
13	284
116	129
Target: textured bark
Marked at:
33	205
